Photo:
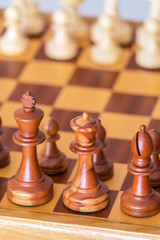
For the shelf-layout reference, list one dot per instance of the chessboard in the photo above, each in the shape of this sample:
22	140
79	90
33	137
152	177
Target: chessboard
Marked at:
122	96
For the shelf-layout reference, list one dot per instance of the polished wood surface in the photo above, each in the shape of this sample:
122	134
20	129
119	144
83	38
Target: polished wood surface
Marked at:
103	165
141	200
30	186
86	193
52	160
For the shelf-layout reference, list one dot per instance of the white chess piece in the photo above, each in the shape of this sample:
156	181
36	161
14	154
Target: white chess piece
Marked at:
148	56
141	33
61	46
32	22
78	27
123	32
106	51
13	42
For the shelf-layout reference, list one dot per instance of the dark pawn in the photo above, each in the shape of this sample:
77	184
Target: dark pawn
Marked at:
141	200
86	193
155	177
52	161
4	153
103	166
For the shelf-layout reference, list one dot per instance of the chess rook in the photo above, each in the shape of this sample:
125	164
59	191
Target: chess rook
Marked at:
30	186
103	166
155	177
52	160
141	200
86	193
4	152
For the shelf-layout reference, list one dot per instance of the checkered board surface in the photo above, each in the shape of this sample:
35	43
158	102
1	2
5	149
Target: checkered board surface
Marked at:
122	96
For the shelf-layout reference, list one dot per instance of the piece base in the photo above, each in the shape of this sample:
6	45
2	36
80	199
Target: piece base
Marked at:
140	206
83	200
30	193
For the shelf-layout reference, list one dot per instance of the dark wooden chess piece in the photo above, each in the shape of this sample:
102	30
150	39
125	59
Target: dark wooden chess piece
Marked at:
141	200
103	166
86	193
29	186
4	152
52	161
155	177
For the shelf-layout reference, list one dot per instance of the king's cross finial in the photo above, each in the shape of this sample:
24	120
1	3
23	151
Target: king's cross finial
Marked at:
28	101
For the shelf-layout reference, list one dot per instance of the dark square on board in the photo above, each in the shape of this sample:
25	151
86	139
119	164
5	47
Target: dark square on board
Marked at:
43	94
7	139
132	104
127	182
3	184
93	78
154	124
102	214
11	69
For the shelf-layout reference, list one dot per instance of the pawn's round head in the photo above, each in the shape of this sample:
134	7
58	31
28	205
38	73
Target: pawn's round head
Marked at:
152	25
155	135
61	17
101	133
142	145
107	22
49	126
12	14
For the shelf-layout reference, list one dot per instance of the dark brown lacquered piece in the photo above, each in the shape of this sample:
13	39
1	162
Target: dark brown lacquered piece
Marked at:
141	200
155	177
30	186
52	161
86	193
4	153
103	166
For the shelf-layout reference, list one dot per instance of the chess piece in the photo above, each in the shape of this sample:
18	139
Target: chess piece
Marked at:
141	200
78	27
142	32
106	51
155	177
61	46
86	193
148	56
102	165
29	187
13	43
32	22
4	153
123	32
52	161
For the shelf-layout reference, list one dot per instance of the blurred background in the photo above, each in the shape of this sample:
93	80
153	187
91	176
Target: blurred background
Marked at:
136	10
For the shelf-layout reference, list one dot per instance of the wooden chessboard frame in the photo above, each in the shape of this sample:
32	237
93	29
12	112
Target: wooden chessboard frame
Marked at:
36	225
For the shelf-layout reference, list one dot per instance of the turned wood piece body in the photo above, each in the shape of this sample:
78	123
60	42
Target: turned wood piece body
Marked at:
103	166
155	177
52	160
141	200
86	193
4	152
29	186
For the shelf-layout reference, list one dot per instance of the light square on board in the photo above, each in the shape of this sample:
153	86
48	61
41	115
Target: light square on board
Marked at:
47	72
6	87
82	99
85	60
138	82
122	126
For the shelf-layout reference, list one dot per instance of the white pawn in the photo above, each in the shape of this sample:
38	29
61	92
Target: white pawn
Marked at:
78	27
148	56
32	22
123	32
106	51
61	46
13	42
141	33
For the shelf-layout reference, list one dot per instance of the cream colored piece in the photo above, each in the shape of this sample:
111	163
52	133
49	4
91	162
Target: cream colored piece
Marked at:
78	27
32	22
123	32
148	55
141	33
61	46
13	42
106	51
